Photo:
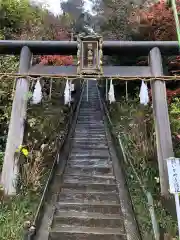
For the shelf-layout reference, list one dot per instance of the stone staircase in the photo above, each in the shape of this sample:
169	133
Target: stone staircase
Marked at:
88	206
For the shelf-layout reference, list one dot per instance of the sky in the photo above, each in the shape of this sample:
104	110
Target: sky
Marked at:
54	5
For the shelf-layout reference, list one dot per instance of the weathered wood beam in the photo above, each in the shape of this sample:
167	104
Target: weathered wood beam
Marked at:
161	118
10	169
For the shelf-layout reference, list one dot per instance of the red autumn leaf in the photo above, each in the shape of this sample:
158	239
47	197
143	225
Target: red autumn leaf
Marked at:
159	21
170	94
156	23
58	60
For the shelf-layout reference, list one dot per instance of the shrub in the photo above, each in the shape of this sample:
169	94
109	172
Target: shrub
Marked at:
155	22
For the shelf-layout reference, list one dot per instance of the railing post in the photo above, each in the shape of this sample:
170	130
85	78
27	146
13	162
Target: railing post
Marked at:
106	89
87	90
16	127
161	119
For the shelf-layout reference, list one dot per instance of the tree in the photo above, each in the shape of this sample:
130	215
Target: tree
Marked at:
155	22
112	16
73	7
83	24
56	60
24	21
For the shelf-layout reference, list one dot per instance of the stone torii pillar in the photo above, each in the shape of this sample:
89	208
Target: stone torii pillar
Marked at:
10	169
161	119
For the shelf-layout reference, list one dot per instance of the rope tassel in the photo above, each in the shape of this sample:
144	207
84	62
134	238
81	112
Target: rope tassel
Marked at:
67	93
37	94
111	95
144	96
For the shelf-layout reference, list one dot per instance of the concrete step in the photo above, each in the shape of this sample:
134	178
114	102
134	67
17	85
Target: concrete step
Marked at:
86	162
87	130
64	218
93	139
87	179
90	124
89	121
100	177
98	187
90	130
90	206
84	197
90	112
89	135
89	171
88	147
92	166
86	233
90	143
91	153
88	157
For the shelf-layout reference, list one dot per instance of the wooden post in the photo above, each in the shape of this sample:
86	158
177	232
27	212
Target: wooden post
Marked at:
16	127
161	119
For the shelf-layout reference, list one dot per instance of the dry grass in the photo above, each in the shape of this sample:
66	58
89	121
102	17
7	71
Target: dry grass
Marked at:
46	122
33	171
134	123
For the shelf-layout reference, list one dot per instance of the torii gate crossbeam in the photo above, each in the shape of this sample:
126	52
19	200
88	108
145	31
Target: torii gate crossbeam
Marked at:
70	47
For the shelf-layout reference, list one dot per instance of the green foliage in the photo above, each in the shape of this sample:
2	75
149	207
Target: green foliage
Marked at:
113	19
23	20
1	159
175	116
134	124
12	15
14	212
15	15
9	63
45	122
174	113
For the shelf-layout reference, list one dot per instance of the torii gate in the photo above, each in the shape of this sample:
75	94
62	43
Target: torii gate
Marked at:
89	66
